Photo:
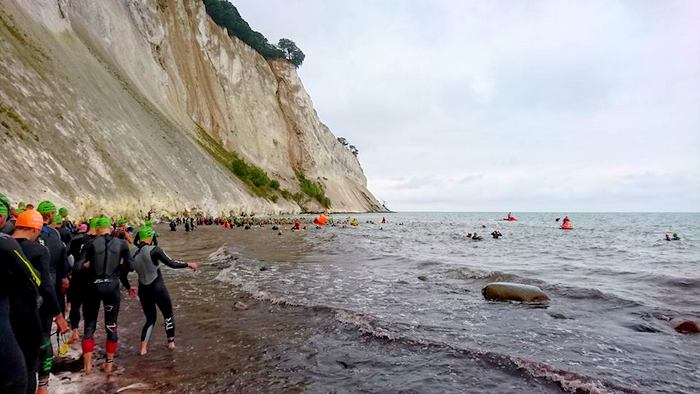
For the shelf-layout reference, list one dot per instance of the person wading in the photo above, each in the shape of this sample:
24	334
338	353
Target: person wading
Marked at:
106	262
152	291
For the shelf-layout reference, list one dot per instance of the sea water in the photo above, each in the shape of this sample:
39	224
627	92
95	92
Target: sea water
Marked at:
402	310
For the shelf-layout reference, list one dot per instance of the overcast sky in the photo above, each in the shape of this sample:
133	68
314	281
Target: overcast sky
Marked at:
506	105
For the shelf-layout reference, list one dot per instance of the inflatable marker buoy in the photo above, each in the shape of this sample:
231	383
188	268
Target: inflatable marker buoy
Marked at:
567	226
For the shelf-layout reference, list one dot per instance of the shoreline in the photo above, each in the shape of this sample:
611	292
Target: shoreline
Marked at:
199	301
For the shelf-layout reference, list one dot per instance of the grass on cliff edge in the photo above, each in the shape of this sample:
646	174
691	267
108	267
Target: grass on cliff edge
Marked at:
314	190
254	177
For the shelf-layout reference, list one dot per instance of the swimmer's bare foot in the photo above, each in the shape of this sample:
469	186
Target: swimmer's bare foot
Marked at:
87	363
144	348
107	366
74	337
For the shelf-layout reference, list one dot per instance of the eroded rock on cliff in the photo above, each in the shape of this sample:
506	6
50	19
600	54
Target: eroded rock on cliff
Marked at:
102	104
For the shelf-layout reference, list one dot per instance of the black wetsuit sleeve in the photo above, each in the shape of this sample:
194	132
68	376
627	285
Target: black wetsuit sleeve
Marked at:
87	254
127	263
157	255
16	269
65	265
40	258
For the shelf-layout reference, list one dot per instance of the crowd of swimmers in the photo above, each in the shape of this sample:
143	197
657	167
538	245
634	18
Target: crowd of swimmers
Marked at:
53	268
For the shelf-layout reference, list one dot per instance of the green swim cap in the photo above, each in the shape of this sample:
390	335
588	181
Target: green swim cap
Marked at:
46	207
102	222
63	212
122	221
146	232
92	223
57	220
148	224
21	205
4	205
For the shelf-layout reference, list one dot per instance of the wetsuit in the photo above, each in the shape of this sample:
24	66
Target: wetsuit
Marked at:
9	226
152	290
59	262
38	256
65	234
109	260
77	285
18	313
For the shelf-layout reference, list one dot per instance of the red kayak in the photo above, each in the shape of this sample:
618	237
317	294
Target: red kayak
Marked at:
511	219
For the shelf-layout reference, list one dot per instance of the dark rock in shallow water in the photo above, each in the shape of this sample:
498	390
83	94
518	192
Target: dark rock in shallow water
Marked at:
504	291
423	278
263	268
688	327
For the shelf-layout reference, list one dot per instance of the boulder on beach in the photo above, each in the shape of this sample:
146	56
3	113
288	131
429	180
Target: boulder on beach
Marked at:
687	327
504	291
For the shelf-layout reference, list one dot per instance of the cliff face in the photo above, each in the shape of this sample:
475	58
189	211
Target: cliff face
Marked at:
103	104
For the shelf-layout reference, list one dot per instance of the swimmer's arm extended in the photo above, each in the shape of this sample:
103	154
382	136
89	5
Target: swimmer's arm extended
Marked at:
157	255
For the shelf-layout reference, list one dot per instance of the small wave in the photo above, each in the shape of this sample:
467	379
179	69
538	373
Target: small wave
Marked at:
586	293
492	276
392	331
567	380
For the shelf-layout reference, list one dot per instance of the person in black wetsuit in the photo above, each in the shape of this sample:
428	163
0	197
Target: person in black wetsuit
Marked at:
152	291
18	312
50	238
63	232
28	228
76	289
105	263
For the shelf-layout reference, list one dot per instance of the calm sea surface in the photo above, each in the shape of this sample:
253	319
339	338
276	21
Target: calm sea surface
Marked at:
401	304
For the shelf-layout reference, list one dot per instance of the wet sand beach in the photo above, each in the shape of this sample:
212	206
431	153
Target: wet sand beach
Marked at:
222	335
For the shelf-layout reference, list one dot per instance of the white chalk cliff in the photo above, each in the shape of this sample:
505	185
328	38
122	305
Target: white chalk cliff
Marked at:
103	106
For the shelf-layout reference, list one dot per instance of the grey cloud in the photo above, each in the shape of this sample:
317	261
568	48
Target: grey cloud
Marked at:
495	105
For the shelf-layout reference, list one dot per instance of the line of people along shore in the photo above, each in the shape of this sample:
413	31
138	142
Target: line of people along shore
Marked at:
53	267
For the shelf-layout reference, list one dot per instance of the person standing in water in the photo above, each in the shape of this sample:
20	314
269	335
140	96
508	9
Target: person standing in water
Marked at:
105	262
152	291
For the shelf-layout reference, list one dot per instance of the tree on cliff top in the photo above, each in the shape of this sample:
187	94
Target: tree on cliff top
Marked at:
292	52
226	15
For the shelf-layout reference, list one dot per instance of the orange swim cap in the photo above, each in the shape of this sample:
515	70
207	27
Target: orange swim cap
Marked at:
30	219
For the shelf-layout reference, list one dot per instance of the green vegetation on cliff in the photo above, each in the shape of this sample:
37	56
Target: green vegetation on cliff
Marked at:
226	15
314	190
254	177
